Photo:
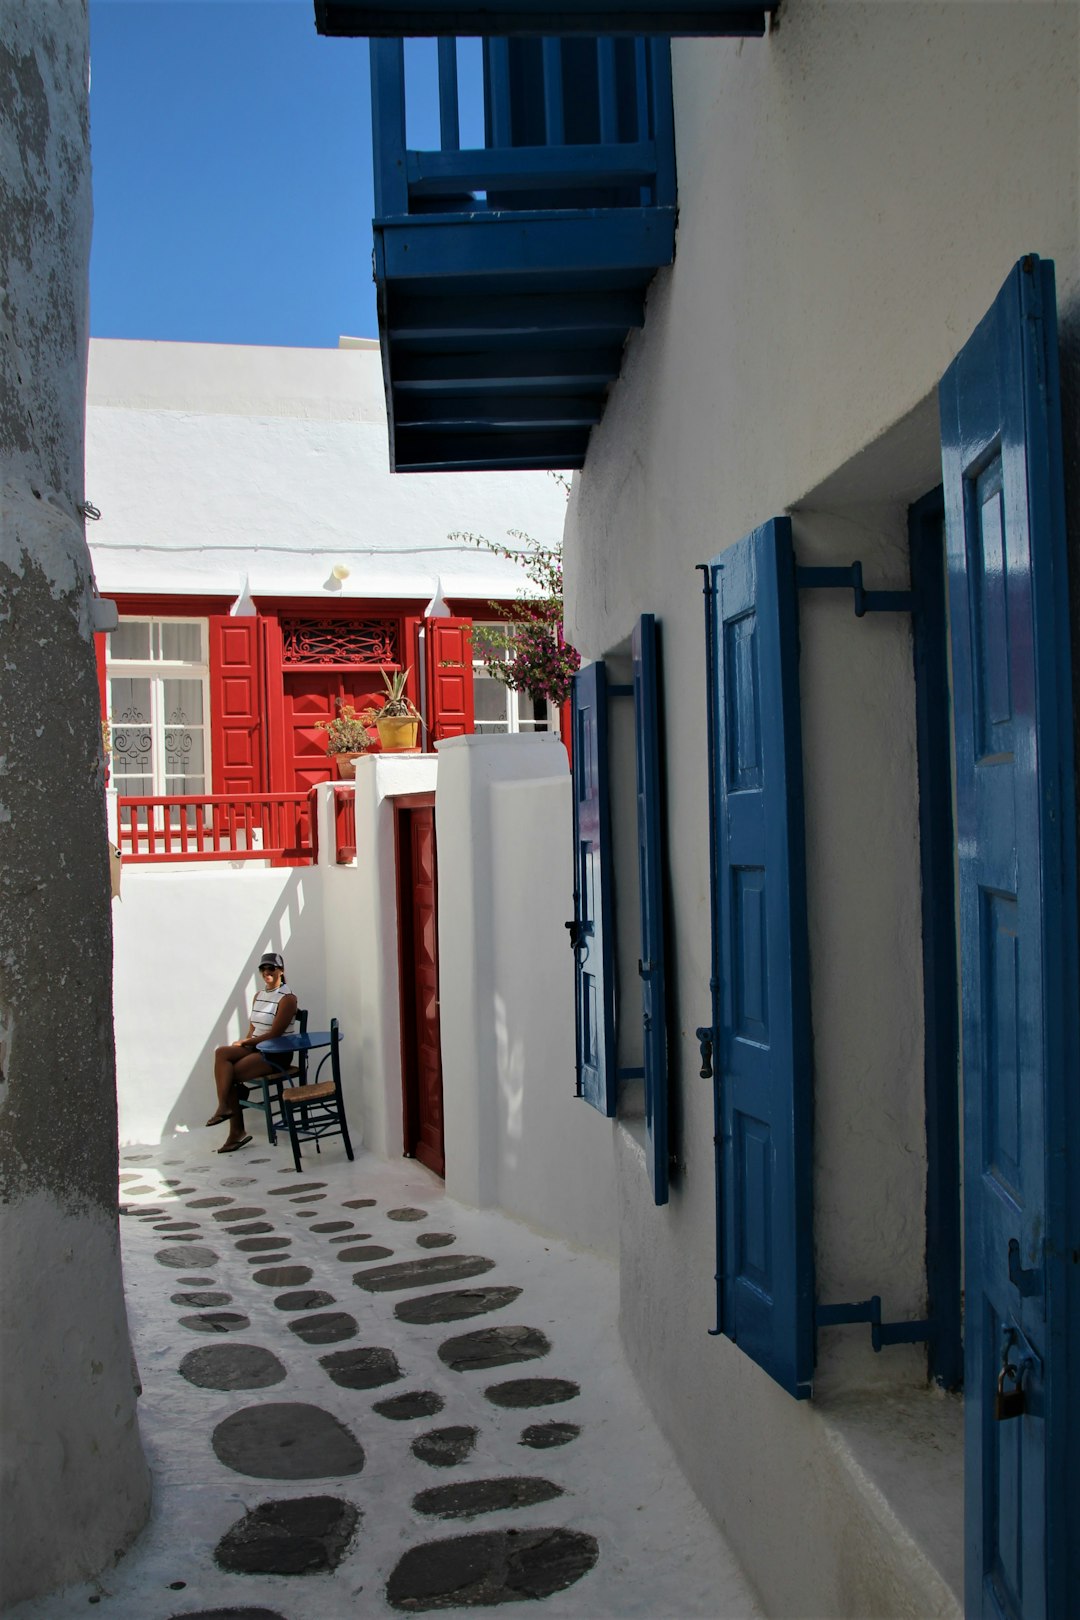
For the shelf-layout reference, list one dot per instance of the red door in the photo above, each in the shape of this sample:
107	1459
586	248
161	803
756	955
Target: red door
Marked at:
421	1057
311	696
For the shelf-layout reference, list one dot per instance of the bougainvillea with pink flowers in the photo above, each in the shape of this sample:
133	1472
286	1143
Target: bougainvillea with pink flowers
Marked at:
529	653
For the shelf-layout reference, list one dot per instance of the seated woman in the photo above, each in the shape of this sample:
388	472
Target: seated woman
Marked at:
273	1013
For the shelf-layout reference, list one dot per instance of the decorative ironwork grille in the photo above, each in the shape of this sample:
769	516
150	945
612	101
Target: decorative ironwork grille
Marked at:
353	641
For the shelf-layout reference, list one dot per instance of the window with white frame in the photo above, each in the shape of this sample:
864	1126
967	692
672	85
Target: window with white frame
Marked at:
159	706
498	709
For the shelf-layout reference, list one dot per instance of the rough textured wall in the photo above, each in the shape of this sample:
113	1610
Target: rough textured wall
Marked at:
75	1486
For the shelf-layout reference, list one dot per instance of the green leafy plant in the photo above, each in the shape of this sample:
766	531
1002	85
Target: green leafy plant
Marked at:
529	653
396	706
347	732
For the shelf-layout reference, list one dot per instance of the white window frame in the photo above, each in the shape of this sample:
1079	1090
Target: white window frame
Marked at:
511	724
157	671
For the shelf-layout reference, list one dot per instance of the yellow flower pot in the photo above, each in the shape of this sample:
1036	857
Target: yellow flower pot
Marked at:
397	734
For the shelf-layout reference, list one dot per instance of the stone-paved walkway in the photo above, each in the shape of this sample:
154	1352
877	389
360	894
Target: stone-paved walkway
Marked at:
360	1398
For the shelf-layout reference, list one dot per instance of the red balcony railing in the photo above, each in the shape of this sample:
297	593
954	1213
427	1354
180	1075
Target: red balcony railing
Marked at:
218	827
344	822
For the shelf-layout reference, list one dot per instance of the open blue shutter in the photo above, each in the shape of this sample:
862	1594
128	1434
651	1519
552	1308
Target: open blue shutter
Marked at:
762	1062
594	938
1008	601
651	896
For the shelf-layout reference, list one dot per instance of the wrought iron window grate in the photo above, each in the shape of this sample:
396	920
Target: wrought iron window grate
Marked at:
356	641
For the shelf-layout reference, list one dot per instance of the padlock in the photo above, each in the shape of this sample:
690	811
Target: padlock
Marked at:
1008	1403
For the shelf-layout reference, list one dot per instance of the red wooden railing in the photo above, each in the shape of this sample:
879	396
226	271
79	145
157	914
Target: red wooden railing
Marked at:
217	827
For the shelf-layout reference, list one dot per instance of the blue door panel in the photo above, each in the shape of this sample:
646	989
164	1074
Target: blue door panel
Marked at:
650	835
762	1067
1013	727
593	937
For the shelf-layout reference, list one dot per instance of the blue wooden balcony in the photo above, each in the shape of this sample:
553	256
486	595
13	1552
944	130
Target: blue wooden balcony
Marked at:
374	18
509	275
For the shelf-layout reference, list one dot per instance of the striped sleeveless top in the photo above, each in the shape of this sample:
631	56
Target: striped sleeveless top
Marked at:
264	1011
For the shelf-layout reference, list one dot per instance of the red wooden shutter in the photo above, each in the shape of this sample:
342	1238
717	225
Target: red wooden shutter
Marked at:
449	678
235	718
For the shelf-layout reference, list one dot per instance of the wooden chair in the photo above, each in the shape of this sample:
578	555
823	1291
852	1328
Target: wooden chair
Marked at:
269	1101
316	1109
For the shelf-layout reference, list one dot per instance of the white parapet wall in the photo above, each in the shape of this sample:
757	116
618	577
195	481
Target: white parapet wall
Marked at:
516	1135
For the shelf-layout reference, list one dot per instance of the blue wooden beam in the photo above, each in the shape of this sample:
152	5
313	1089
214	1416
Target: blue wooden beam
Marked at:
594	316
556	371
571	243
398	18
495	414
525	168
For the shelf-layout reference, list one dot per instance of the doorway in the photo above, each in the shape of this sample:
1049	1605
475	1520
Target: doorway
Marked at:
418	935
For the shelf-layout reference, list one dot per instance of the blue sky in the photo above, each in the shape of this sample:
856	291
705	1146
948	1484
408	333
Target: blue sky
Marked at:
231	150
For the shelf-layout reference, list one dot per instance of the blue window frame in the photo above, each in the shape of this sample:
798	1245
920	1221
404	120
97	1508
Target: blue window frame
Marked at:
652	891
592	934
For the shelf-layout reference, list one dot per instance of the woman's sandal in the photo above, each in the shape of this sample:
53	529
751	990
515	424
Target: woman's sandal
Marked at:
218	1119
231	1147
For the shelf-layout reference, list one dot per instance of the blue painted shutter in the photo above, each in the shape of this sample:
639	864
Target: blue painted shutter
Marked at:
594	936
1008	603
651	898
762	1061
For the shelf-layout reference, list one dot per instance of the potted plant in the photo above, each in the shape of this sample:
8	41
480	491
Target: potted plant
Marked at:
398	720
347	737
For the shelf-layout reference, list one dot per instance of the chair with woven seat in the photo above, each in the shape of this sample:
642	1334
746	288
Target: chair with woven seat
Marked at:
269	1103
314	1109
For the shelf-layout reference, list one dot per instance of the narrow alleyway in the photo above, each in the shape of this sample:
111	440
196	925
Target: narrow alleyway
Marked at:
360	1398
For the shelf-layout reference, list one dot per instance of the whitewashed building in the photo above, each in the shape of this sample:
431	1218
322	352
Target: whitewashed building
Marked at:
826	910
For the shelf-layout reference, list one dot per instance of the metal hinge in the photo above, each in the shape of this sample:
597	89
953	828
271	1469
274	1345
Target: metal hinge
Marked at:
832	579
881	1333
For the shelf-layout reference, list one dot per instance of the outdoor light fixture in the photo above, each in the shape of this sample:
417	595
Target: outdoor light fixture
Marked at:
340	571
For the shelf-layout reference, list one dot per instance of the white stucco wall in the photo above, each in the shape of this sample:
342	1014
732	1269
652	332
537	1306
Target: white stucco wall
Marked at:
214	463
516	1135
853	191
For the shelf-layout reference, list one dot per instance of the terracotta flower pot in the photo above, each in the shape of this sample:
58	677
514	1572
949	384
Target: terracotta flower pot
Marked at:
397	734
345	765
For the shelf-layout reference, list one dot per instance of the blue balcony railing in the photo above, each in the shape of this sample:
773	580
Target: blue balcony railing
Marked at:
509	274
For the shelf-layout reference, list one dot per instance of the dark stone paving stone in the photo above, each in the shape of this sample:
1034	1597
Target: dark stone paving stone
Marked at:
417	1403
202	1296
456	1305
287	1440
351	1237
362	1369
196	1282
329	1328
308	1535
435	1268
181	1192
210	1203
545	1436
373	1251
468	1497
264	1258
170	1181
408	1214
176	1237
532	1392
332	1226
250	1228
137	1158
238	1181
133	1192
493	1566
436	1240
186	1254
444	1448
232	1366
216	1322
130	1175
258	1161
305	1299
240	1212
358	1203
176	1226
309	1198
305	1214
283	1276
296	1187
257	1243
493	1347
229	1614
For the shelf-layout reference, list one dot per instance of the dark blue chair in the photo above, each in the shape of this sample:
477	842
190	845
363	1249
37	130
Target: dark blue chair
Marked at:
314	1109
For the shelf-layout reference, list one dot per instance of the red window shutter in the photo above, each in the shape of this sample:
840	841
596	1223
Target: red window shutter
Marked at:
449	678
100	642
235	711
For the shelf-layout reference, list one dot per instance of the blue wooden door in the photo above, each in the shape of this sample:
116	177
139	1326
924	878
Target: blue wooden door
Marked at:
1008	607
650	836
762	1053
593	936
